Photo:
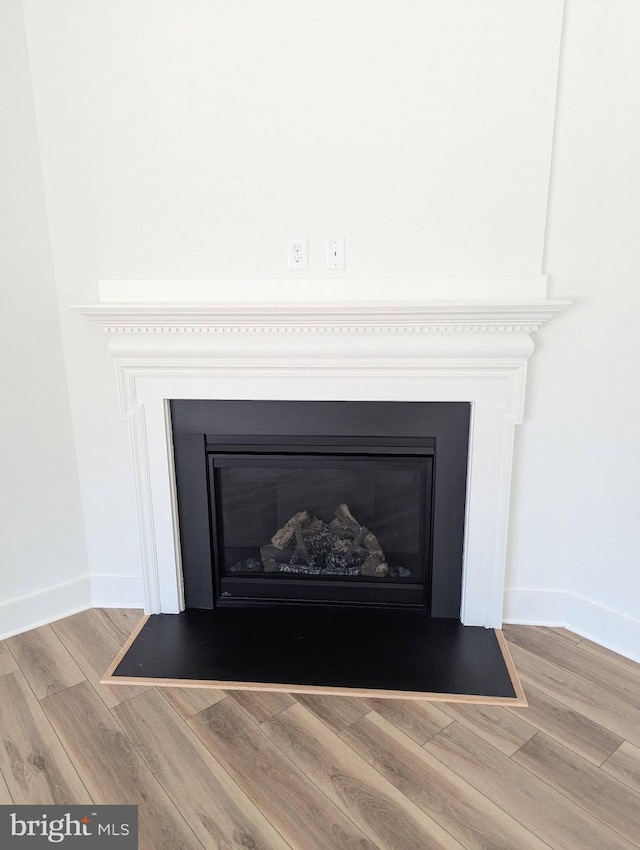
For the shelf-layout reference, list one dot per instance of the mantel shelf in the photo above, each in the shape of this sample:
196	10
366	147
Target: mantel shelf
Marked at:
458	316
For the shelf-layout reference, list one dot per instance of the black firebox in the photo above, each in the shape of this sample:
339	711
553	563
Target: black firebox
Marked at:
326	503
342	520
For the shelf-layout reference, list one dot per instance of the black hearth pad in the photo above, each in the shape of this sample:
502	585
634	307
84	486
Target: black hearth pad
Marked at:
399	652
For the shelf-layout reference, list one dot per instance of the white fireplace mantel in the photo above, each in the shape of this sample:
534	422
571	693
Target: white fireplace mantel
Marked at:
464	339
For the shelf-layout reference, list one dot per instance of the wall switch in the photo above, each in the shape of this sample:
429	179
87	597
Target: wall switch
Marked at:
336	254
298	254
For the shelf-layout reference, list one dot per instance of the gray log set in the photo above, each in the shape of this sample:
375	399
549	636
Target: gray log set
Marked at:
308	545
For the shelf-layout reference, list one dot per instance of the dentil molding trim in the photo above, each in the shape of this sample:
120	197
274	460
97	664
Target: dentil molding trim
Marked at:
322	317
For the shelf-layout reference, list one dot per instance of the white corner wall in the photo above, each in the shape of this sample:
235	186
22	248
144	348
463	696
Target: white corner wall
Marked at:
189	140
43	560
575	545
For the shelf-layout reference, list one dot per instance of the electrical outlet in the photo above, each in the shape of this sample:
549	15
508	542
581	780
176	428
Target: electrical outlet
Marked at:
336	253
298	254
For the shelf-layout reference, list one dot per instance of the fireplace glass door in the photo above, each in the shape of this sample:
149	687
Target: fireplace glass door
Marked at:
323	527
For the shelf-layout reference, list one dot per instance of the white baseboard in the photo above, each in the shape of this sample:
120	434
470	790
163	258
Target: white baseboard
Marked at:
535	607
117	592
612	629
38	609
608	628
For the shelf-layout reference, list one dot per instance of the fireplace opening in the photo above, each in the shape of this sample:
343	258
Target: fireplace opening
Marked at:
342	521
324	503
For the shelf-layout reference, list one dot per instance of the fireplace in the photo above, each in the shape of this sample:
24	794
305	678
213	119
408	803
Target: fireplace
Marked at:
392	340
329	503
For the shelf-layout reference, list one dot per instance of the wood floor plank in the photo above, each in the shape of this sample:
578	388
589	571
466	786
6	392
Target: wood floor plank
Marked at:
5	796
336	712
586	738
45	662
476	822
313	766
504	730
112	769
419	720
565	633
624	764
7	662
593	702
261	705
586	785
119	621
219	813
576	660
544	811
94	648
33	762
304	816
384	814
189	701
626	664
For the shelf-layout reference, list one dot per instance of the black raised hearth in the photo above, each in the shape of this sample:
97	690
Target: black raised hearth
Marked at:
365	651
324	503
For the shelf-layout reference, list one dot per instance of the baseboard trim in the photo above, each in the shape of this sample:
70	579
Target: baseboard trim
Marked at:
117	591
602	625
611	629
44	607
535	607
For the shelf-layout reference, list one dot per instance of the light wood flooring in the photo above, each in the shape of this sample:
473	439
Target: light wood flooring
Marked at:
239	769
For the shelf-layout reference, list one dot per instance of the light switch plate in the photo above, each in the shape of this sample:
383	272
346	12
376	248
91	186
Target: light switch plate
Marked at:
336	253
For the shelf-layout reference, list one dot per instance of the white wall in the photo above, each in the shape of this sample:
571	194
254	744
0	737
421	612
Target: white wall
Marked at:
43	561
189	140
607	568
575	549
420	130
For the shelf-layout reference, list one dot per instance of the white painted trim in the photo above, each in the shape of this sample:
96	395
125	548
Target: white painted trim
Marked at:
612	629
535	607
609	628
353	317
117	591
303	288
495	391
45	606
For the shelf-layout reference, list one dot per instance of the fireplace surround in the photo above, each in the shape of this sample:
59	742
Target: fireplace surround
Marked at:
334	502
453	340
